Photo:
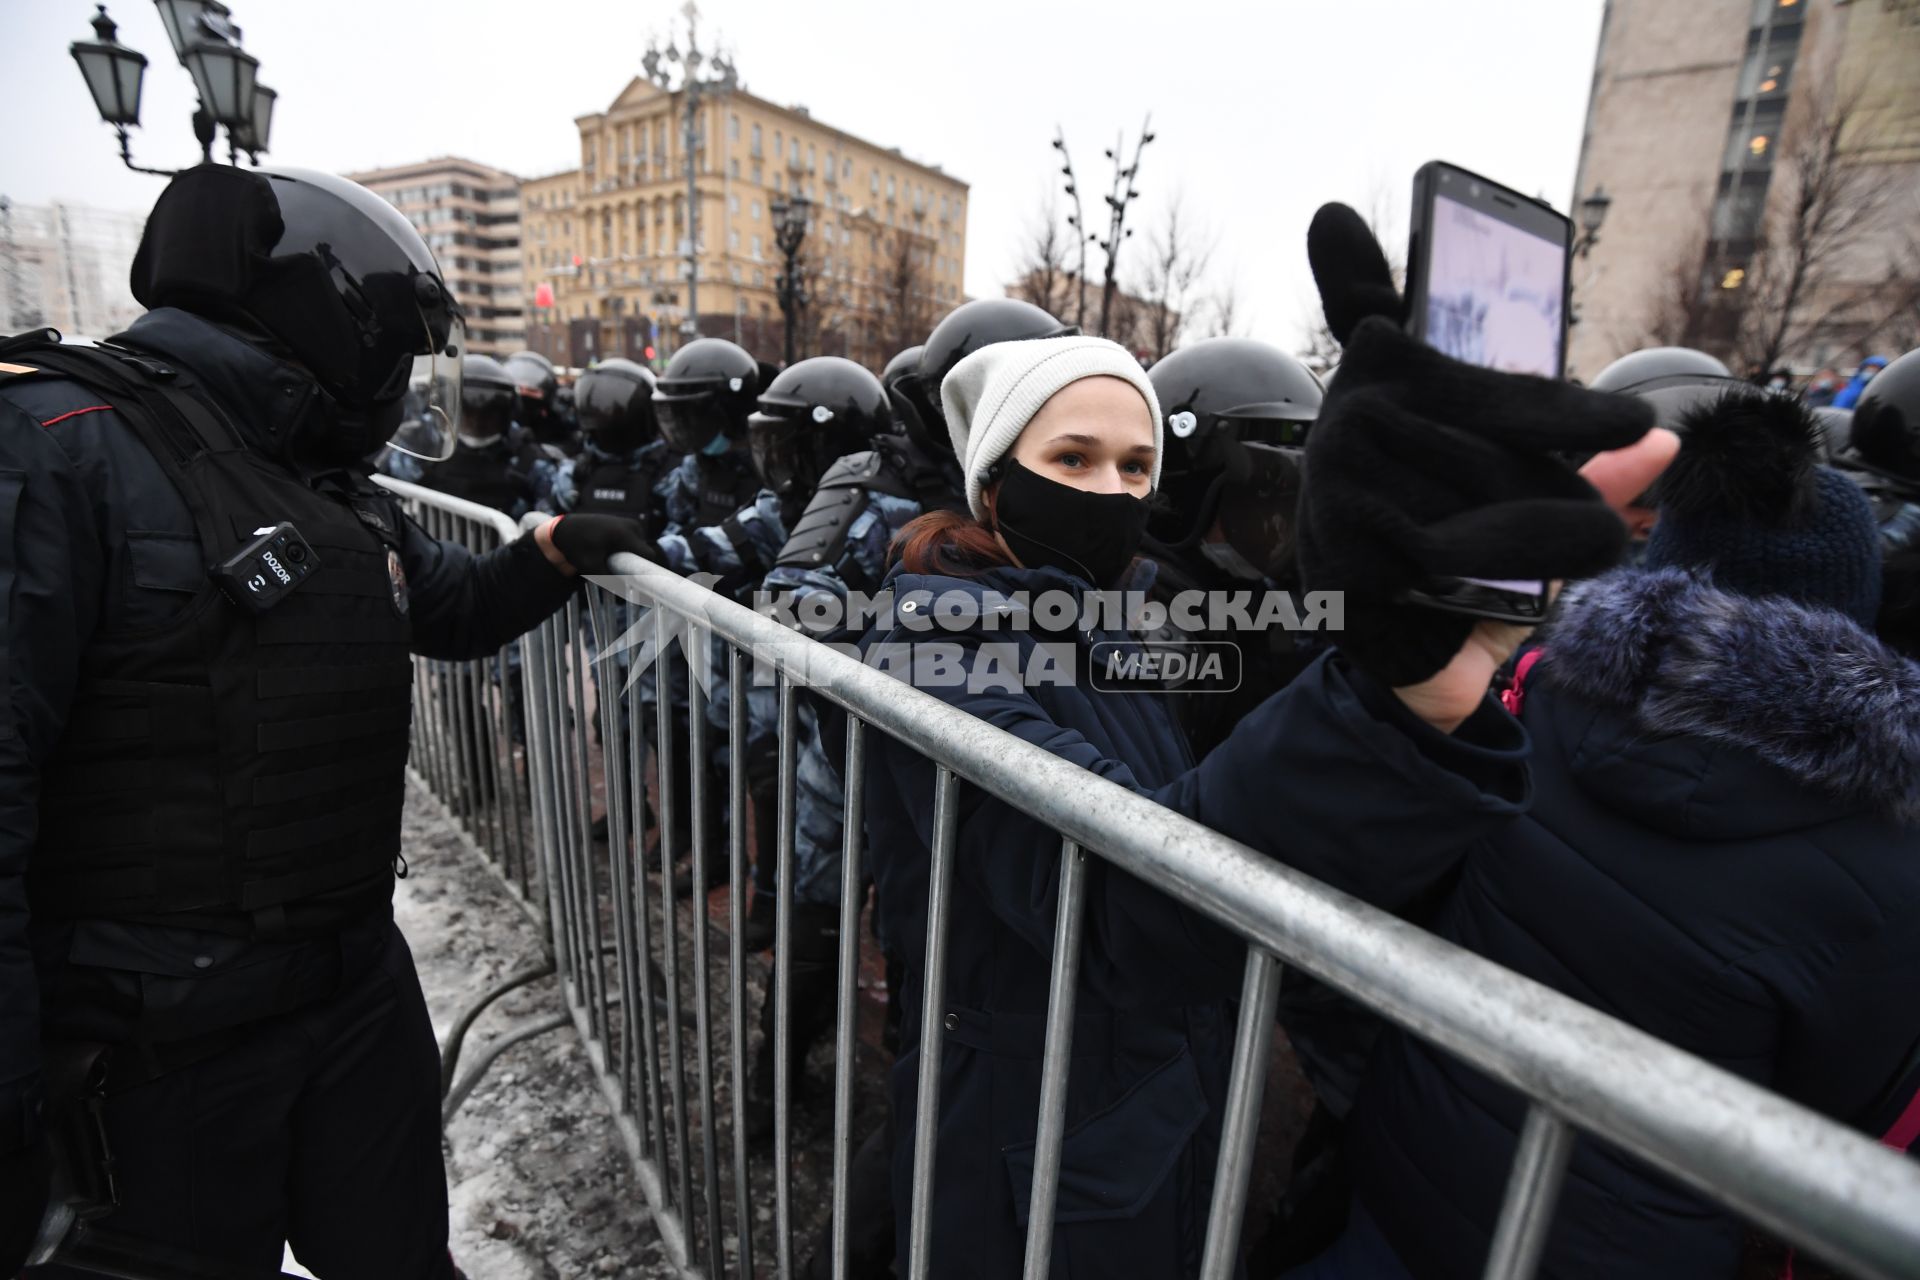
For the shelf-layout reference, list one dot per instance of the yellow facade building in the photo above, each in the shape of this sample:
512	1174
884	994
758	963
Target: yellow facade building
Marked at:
605	247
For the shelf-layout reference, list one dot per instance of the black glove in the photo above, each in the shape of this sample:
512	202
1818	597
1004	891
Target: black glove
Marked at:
25	1176
1421	467
589	541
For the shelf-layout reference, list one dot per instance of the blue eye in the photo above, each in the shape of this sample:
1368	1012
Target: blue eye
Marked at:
1070	459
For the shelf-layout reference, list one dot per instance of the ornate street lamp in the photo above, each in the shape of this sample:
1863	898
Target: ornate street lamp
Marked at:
208	46
790	220
1593	212
717	81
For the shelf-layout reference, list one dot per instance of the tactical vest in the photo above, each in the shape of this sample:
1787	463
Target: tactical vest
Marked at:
230	771
613	487
492	475
727	483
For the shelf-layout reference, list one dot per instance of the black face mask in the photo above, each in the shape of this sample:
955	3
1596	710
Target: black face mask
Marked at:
1090	535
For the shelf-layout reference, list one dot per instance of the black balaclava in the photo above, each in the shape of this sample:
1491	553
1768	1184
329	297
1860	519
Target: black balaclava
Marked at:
1091	535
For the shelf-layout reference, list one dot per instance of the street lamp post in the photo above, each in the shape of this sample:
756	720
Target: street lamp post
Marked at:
225	76
694	87
790	218
1593	212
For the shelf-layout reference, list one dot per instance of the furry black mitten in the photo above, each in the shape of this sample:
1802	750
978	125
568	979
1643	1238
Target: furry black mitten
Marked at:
590	541
1422	467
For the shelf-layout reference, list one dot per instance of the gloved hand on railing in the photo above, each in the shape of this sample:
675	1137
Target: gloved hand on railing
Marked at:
1422	468
586	543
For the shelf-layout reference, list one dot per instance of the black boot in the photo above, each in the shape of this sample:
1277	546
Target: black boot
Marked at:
815	942
758	934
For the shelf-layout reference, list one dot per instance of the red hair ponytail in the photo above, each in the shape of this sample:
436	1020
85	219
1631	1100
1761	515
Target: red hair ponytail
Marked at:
948	544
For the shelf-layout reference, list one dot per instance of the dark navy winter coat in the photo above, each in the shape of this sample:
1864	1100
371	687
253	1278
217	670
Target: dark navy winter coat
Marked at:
1716	854
1331	773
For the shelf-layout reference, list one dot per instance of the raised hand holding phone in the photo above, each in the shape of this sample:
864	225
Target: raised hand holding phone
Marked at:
1423	468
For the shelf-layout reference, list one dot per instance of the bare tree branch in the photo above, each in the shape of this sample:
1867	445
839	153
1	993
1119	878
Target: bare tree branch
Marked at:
1044	278
1179	258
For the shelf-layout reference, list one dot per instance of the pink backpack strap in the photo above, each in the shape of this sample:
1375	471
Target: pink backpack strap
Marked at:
1515	694
1906	1129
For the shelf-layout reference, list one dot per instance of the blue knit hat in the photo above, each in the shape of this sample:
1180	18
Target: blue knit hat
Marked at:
1747	503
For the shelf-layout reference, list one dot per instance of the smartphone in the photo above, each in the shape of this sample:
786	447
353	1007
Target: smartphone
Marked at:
1487	272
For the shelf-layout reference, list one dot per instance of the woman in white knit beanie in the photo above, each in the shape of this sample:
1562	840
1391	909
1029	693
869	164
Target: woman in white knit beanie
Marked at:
1059	439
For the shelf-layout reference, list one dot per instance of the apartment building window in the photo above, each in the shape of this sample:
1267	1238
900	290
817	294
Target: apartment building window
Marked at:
759	282
874	185
846	168
779	181
776	144
733	169
754	149
733	241
889	186
753	210
733	127
793	153
756	173
810	158
756	251
733	204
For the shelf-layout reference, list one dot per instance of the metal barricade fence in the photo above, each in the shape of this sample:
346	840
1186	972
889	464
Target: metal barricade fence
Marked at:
1815	1183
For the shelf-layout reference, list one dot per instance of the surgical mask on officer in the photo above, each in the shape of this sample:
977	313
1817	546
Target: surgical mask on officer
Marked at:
1072	492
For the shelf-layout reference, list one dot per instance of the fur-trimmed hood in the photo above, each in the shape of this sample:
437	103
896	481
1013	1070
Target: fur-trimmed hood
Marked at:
1803	690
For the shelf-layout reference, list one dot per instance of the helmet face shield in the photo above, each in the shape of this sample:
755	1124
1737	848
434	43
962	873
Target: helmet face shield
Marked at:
430	423
1257	507
782	454
689	423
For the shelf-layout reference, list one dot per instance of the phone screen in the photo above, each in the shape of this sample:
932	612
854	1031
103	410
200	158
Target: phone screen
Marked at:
1496	292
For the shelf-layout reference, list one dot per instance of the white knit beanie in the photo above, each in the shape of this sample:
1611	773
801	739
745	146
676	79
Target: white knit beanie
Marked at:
992	394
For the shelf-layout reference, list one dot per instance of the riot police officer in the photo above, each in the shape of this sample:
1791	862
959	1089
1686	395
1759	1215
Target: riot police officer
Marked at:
209	690
964	330
1237	414
490	464
900	366
537	408
1883	455
622	457
1671	379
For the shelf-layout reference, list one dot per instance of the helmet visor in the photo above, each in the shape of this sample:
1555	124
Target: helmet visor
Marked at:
689	423
430	421
1257	506
780	453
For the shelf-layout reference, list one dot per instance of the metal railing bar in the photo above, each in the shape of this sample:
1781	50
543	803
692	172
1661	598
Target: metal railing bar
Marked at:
1533	1189
933	986
1790	1170
1252	1050
1062	989
782	993
846	1011
669	915
697	664
737	950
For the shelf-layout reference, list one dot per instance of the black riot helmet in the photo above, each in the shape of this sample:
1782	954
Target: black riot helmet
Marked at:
323	271
614	400
966	329
707	394
906	362
539	388
1886	422
813	414
1671	379
486	399
1216	398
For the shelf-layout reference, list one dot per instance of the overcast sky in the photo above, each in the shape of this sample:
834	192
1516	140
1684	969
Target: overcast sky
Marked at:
1262	110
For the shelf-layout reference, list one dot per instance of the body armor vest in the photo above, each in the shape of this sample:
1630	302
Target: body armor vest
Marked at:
727	483
233	771
613	487
493	475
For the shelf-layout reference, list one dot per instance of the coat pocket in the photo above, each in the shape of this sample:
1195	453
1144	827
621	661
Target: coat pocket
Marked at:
1114	1162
